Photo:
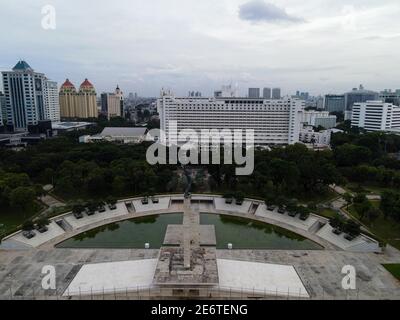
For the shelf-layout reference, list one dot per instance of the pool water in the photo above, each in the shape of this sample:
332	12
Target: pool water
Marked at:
132	234
250	234
242	233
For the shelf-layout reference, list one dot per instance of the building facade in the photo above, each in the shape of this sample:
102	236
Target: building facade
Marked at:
78	104
254	93
376	116
28	97
267	93
390	96
276	93
358	96
3	110
112	104
275	122
319	118
334	103
51	101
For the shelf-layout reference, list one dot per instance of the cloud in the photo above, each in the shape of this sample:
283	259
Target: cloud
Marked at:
261	11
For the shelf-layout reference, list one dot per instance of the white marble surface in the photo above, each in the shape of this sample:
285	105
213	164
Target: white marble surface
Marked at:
269	279
221	205
118	276
162	205
360	244
40	238
262	211
98	217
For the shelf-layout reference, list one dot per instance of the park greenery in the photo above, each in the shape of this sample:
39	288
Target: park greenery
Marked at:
292	176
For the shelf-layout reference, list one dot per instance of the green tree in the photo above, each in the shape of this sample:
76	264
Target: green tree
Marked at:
22	197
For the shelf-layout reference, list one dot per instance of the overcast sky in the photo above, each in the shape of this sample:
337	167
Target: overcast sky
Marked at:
318	46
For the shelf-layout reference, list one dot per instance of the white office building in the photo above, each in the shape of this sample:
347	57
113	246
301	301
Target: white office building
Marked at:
51	101
29	97
319	118
376	116
275	122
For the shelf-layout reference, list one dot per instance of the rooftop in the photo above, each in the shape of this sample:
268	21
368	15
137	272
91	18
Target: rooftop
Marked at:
123	132
22	66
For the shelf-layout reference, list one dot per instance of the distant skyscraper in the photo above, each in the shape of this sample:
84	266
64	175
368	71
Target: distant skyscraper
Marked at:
29	96
390	96
267	93
334	103
276	93
82	104
112	104
3	110
254	93
51	101
359	95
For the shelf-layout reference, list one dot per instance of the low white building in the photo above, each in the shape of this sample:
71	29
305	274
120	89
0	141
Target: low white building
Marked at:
319	118
318	139
376	116
118	135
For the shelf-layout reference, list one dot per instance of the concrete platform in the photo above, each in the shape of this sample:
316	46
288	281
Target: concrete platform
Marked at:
39	239
262	278
98	217
262	211
162	205
113	276
174	235
221	205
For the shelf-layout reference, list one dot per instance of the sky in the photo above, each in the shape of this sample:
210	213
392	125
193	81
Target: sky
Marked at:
319	46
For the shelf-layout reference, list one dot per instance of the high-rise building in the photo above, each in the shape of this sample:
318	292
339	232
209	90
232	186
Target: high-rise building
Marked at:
276	93
3	110
359	95
112	104
376	116
254	93
267	93
51	101
390	96
334	103
82	104
29	97
275	122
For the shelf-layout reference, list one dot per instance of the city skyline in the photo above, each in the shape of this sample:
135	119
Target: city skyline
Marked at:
314	46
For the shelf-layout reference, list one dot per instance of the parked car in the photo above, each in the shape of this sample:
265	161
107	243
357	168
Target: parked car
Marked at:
349	237
228	200
155	200
239	202
78	215
112	206
281	210
304	216
90	212
271	207
292	214
28	234
102	209
145	201
337	231
43	229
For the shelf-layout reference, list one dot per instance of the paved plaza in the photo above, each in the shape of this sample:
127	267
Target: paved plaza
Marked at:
187	265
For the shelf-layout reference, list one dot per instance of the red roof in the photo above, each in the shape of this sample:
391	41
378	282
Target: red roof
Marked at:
67	84
86	83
